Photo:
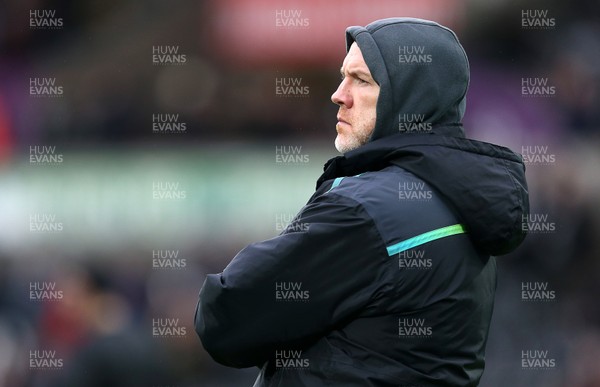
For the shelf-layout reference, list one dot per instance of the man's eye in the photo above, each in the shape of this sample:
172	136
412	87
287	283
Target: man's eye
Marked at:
360	80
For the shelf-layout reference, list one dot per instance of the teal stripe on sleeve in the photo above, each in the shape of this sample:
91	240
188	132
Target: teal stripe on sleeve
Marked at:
425	238
336	182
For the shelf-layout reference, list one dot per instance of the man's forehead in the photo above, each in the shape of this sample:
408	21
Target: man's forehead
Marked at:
354	60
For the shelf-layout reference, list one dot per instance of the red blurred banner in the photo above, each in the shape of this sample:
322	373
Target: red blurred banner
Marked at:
308	32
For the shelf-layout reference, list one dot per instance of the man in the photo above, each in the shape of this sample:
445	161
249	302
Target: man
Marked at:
386	275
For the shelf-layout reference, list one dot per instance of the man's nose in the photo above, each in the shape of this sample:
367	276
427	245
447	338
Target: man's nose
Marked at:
342	96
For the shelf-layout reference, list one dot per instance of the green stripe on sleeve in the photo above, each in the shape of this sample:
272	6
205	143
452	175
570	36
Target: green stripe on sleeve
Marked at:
425	238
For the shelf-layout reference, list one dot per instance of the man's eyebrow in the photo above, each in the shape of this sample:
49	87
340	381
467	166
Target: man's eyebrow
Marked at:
358	71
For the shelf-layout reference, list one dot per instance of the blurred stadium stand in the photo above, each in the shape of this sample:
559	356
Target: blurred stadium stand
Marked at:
237	192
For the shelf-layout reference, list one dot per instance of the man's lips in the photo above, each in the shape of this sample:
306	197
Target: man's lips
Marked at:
342	121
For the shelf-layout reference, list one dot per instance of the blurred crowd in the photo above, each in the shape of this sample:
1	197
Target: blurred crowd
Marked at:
102	326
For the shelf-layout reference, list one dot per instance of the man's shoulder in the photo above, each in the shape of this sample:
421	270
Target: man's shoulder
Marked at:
374	186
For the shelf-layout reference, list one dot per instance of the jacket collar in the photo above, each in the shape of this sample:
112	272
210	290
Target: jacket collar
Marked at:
378	154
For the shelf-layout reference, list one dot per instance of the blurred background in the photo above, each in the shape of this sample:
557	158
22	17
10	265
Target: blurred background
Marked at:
144	142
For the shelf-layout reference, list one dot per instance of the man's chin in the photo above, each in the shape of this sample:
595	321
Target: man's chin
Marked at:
344	145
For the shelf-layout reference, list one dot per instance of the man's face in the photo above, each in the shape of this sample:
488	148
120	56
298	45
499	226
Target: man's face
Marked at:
357	98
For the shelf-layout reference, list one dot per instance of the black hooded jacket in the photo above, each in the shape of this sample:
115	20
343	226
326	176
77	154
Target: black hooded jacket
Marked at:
386	277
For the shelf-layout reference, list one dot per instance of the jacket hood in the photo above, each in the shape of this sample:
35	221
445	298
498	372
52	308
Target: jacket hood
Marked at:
422	71
483	183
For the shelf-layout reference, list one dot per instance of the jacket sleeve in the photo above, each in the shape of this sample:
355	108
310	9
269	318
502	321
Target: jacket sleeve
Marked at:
284	292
